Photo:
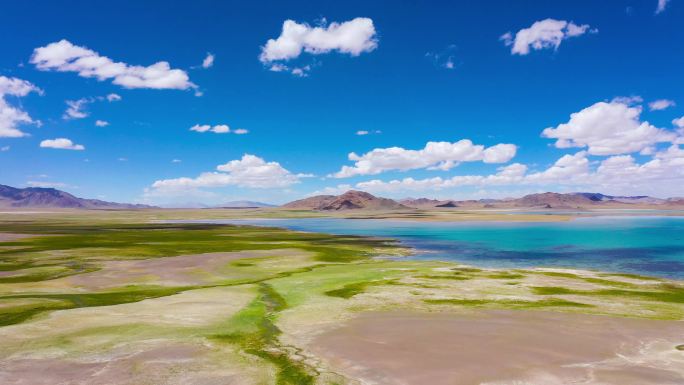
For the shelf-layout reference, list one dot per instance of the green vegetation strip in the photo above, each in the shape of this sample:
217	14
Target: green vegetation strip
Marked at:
549	302
254	331
164	240
454	277
667	293
597	281
352	289
49	302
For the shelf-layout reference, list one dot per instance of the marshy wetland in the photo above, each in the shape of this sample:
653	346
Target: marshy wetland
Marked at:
126	298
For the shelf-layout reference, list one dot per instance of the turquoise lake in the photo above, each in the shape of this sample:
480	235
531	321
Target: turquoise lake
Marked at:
649	245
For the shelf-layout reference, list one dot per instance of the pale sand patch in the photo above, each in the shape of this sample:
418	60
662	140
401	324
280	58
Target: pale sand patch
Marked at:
504	347
180	270
99	328
9	237
149	363
155	341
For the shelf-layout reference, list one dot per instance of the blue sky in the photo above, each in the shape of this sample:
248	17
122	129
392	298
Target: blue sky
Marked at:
407	73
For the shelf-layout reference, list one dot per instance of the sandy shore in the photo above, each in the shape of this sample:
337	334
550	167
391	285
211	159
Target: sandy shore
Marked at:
504	347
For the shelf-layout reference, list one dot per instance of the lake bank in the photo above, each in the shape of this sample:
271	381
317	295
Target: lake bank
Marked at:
646	245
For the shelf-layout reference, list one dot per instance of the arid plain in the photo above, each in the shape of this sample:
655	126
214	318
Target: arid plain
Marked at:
103	297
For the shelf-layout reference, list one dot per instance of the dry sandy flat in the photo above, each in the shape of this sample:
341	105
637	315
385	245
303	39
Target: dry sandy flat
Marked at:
504	347
168	363
155	341
179	270
53	371
8	237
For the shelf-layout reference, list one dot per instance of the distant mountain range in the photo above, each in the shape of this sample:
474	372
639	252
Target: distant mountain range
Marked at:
38	197
355	200
550	200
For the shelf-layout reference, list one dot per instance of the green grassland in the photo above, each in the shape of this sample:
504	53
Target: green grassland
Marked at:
85	284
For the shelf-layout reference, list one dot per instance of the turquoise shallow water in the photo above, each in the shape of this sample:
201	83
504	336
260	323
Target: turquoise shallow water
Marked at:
649	245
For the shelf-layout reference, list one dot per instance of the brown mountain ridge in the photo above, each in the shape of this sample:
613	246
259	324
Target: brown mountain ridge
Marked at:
351	200
39	197
355	200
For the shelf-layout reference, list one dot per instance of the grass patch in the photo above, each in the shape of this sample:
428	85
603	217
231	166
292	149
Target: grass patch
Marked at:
254	331
667	294
505	275
50	302
549	302
352	289
242	264
559	274
606	282
632	276
454	277
596	281
46	273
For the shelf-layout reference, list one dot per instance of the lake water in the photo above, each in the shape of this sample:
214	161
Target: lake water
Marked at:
649	245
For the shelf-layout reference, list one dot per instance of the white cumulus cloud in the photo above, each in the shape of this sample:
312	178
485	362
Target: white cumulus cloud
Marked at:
61	144
352	37
661	104
543	34
101	123
662	175
10	116
64	56
662	4
249	171
76	108
208	61
608	128
218	129
511	174
435	155
567	169
679	122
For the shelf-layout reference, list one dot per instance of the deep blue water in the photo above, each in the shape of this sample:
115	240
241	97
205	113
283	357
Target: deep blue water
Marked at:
649	245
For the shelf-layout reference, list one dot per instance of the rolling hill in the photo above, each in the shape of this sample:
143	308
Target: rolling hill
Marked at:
351	200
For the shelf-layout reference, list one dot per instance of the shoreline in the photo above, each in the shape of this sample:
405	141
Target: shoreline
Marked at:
419	247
